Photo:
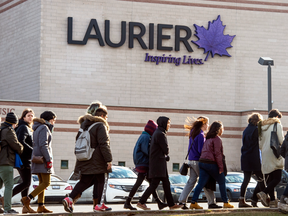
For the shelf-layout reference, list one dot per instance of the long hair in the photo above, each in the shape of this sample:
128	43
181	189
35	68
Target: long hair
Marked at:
25	112
194	125
214	129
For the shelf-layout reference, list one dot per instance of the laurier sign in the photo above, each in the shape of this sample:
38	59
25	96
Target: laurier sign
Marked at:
160	37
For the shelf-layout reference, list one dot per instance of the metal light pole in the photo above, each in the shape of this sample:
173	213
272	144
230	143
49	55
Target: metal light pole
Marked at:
270	62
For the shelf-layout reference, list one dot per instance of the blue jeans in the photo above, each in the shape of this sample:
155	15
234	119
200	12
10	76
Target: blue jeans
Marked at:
207	171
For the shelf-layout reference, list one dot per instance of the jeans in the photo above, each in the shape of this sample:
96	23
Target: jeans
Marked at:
259	187
194	174
6	177
207	170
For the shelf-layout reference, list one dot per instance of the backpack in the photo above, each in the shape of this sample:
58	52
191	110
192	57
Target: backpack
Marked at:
83	149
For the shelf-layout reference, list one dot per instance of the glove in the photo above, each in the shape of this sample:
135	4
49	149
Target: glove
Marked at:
167	158
49	165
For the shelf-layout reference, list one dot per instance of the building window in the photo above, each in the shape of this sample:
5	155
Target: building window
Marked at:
64	164
121	163
175	167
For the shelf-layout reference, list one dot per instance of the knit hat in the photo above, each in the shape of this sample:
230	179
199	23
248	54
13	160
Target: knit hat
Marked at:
48	115
11	118
150	127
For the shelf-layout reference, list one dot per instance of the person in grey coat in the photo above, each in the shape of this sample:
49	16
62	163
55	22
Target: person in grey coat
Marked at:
42	146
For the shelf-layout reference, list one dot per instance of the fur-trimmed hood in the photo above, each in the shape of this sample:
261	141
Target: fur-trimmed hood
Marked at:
40	121
93	119
265	124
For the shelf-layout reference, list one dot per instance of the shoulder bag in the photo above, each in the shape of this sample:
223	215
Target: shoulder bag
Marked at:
274	142
184	168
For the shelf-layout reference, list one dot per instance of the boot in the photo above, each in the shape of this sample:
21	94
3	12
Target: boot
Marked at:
1	211
161	205
195	206
127	204
43	209
228	205
76	198
26	202
273	204
243	204
27	210
254	203
95	202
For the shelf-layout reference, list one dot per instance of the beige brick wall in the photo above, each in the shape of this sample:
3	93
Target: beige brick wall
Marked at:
20	51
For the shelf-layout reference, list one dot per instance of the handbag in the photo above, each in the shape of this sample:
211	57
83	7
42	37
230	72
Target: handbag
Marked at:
37	159
184	168
274	142
18	162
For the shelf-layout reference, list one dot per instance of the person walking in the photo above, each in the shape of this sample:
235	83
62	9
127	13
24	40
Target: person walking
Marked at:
93	171
9	146
24	134
250	160
141	161
42	146
271	166
284	151
158	155
211	164
196	128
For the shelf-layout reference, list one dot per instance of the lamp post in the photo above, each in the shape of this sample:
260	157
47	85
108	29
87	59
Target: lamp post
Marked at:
270	62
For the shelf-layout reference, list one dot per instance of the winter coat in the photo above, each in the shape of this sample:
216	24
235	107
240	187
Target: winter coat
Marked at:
141	150
42	145
284	151
158	150
195	152
9	145
24	134
250	155
100	141
269	161
213	150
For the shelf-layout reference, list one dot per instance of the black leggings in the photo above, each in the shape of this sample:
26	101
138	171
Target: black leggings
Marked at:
139	181
272	179
86	181
259	187
23	187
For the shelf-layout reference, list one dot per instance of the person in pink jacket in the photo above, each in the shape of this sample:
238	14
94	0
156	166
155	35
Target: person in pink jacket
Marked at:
211	163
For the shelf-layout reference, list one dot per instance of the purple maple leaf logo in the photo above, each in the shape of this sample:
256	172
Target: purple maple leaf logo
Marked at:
212	40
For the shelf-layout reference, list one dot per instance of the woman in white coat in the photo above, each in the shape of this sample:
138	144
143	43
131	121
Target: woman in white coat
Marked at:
271	166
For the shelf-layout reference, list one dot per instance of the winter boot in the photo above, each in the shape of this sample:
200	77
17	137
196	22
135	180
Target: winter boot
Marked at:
283	204
228	205
194	205
273	204
243	204
127	204
26	210
161	205
263	197
43	209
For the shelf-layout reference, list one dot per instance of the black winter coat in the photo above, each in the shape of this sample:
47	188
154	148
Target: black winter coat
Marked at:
284	150
158	150
24	134
250	155
99	138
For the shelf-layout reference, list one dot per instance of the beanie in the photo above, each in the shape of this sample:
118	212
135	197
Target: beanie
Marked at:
11	118
150	127
48	115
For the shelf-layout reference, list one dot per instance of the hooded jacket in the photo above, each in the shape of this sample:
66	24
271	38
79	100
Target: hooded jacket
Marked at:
250	155
24	135
42	145
158	150
9	145
100	140
141	150
269	162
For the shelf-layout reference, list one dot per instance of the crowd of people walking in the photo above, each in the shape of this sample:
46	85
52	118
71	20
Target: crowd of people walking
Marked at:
27	146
